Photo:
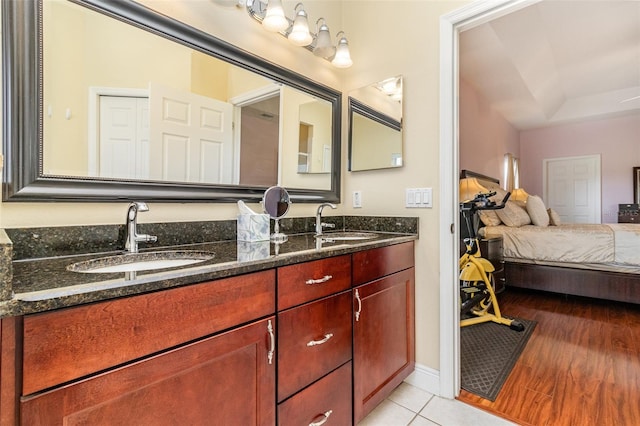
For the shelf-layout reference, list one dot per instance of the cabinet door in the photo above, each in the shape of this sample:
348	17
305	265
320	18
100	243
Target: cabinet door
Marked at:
313	339
383	338
326	401
228	379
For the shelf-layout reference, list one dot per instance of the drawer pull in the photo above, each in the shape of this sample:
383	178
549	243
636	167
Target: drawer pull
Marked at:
319	342
319	280
323	421
272	340
359	306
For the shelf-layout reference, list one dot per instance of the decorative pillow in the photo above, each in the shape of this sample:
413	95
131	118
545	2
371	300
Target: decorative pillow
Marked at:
513	215
554	217
537	211
489	217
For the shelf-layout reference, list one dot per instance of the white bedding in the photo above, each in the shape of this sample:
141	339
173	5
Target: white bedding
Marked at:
593	246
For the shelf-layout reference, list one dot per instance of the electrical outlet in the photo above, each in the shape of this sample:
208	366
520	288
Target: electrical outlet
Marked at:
357	199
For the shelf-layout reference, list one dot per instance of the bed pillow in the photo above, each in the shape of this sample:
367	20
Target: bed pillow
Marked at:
490	217
554	217
537	211
513	215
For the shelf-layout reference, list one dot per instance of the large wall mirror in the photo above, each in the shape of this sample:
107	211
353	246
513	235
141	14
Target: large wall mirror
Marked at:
375	125
110	100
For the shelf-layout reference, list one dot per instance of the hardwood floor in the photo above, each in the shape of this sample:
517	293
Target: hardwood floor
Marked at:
581	366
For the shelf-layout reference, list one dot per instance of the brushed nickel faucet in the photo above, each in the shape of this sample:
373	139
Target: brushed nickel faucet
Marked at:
133	238
319	224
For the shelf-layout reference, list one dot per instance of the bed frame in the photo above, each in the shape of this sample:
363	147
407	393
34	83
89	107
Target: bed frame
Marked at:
618	286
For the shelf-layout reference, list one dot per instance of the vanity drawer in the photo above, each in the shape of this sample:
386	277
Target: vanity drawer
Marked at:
313	339
70	343
308	281
329	398
372	264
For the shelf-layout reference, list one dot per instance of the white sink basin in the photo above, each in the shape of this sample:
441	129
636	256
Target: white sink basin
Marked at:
348	236
134	262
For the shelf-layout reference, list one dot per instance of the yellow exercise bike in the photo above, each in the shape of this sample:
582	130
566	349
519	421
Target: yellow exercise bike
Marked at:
478	302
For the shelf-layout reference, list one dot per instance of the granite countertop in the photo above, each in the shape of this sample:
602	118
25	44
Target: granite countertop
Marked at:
44	284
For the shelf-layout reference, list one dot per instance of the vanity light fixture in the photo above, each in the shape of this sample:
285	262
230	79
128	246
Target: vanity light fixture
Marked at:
342	59
271	14
300	35
391	87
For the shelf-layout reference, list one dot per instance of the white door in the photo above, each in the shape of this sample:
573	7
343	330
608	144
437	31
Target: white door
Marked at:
572	188
191	137
123	142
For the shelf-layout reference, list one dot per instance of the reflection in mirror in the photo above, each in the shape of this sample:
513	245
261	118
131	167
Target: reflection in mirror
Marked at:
314	145
375	126
156	117
134	104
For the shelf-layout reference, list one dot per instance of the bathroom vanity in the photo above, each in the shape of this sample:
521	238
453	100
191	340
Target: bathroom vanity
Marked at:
310	335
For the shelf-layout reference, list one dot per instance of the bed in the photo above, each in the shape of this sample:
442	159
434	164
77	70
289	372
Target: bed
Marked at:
592	260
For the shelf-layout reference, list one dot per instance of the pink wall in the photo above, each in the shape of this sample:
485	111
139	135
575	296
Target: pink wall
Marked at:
485	136
616	140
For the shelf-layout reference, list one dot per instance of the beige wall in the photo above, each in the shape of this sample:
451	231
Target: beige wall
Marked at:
386	38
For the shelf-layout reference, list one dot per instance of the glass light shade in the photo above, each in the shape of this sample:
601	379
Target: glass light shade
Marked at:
323	48
343	57
300	35
275	20
469	188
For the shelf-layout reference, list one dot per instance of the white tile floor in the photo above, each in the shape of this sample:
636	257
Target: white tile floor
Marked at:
409	405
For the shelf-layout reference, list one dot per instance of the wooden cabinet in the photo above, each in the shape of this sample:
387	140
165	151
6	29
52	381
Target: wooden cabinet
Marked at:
277	346
315	342
226	379
628	213
384	314
156	357
491	249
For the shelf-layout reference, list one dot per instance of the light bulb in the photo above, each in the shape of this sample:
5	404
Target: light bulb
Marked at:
343	57
300	35
274	20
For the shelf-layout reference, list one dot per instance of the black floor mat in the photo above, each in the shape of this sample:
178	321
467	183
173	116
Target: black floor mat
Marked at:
488	352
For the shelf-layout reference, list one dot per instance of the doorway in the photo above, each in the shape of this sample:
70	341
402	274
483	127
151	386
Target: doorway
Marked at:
451	25
571	186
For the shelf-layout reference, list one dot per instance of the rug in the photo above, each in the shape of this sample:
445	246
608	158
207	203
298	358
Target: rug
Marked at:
488	352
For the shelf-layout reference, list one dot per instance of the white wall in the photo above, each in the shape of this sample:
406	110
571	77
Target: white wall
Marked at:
387	38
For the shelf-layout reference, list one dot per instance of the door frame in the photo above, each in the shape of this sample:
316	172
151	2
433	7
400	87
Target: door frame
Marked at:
451	25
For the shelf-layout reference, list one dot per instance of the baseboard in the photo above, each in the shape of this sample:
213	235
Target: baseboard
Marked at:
425	378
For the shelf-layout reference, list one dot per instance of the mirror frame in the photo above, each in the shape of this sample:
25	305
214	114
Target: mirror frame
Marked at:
22	87
358	107
636	185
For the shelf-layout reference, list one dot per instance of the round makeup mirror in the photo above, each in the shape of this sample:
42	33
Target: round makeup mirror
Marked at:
275	203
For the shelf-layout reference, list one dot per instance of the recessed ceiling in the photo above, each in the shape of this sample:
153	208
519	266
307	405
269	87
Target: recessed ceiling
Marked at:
557	61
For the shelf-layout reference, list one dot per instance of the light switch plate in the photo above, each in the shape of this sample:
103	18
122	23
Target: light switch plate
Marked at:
419	198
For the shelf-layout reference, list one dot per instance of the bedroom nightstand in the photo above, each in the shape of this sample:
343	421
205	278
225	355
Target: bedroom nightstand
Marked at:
491	249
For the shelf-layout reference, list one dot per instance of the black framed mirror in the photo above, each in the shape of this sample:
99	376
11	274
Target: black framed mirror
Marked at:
24	174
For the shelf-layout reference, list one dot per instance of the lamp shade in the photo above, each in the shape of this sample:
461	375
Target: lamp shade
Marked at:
469	188
323	47
343	57
519	194
274	19
300	35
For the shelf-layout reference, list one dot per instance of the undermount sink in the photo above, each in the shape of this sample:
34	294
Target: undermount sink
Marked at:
348	236
135	262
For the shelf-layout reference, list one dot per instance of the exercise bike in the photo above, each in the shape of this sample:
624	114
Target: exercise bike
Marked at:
478	302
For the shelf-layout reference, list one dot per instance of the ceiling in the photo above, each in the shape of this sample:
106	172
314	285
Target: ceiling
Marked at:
557	61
